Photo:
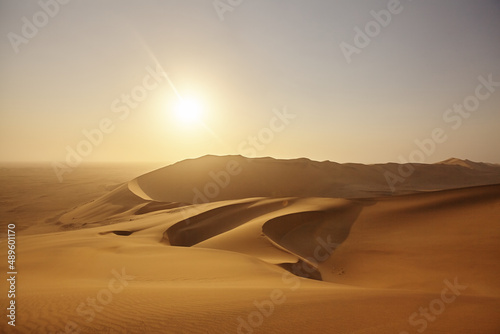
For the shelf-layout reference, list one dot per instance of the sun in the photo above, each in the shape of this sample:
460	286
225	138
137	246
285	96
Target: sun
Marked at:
188	111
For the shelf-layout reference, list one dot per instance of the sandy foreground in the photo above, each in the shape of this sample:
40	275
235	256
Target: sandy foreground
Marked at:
98	254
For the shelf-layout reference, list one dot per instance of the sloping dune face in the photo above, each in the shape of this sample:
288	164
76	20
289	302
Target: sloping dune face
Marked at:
150	261
414	241
214	178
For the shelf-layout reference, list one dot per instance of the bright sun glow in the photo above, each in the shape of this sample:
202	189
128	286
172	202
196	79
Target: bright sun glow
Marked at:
188	111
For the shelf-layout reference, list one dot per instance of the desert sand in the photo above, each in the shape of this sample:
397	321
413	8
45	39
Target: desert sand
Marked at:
237	245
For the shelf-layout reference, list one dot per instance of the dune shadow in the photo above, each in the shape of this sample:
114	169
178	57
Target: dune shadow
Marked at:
211	223
120	233
312	235
158	206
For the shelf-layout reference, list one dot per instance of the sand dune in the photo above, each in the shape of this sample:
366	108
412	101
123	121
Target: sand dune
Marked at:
213	178
144	259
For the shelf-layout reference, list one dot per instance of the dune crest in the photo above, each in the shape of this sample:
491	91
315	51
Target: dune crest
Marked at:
214	178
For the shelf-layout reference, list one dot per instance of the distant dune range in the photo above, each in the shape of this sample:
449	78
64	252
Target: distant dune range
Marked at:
267	177
210	240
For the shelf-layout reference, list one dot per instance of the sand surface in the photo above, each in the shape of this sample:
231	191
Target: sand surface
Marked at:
284	247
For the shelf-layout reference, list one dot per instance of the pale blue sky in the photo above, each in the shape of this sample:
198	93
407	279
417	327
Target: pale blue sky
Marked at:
264	55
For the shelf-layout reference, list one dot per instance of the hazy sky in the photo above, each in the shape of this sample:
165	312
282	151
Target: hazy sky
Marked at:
342	95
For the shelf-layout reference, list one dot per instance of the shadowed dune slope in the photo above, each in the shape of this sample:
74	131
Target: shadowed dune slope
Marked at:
215	178
118	201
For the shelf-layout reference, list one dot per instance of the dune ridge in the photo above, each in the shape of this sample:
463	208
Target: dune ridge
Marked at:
187	181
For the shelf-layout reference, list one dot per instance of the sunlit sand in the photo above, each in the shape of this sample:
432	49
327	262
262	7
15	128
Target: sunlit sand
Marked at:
286	246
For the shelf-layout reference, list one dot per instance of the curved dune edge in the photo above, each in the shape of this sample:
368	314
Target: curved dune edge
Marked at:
300	227
136	189
312	236
117	203
204	229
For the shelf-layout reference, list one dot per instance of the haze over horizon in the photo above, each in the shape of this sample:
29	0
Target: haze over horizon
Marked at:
270	79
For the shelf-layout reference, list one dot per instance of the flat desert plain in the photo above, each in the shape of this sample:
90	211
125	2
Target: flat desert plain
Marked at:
235	245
